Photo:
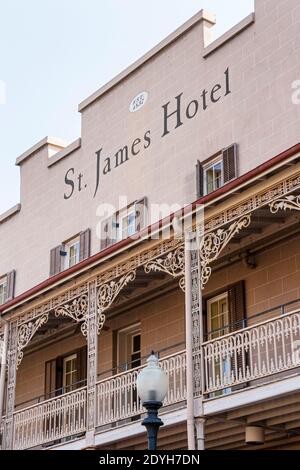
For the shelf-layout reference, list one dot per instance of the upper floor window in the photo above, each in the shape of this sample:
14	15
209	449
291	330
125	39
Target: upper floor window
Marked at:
7	287
127	223
218	316
66	373
70	372
129	348
70	253
3	290
124	223
218	170
213	175
225	312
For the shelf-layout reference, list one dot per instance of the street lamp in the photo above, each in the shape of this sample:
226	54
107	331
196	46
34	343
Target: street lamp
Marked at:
152	387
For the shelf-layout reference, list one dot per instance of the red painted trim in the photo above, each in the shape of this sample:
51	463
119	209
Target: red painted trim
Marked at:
152	228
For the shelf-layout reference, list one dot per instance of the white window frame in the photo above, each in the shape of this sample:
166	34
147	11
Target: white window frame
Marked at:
3	283
68	245
218	298
121	218
208	166
134	330
65	360
222	366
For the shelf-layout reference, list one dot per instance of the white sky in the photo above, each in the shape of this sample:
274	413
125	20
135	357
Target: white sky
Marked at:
55	53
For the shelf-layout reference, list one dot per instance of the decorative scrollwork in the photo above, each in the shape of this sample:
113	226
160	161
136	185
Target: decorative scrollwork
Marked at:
286	203
182	283
25	334
100	321
76	310
108	292
212	244
172	263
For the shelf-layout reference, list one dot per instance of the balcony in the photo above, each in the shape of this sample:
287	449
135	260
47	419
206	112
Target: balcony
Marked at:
255	354
64	417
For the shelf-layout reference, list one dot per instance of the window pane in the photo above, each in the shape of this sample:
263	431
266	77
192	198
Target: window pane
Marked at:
209	180
218	175
74	254
136	343
135	360
3	289
218	317
214	308
128	225
213	176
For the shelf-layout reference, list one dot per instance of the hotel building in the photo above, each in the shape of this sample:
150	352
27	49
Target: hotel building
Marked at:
95	271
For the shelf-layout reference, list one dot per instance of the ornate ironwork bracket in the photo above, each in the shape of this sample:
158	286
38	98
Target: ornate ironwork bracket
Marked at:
172	263
76	310
285	203
212	244
26	333
107	293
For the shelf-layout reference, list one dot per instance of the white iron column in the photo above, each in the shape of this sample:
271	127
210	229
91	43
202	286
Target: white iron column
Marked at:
200	433
194	333
189	345
92	339
11	385
3	367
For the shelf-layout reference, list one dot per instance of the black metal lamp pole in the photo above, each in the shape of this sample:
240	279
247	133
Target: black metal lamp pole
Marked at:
152	422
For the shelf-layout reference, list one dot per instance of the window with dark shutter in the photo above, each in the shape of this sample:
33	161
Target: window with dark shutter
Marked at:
140	214
56	260
230	163
199	180
54	374
11	279
224	314
50	379
85	244
59	376
237	310
109	229
238	321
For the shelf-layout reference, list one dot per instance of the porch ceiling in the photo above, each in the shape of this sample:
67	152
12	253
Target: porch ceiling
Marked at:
265	229
279	417
143	288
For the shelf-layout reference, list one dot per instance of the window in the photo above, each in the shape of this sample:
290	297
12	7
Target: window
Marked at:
129	348
218	316
213	176
66	373
127	223
72	250
70	253
7	287
216	171
69	372
3	290
226	313
123	224
218	321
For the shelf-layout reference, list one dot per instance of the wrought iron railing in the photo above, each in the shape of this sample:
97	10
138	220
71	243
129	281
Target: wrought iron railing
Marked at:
65	416
54	419
253	353
117	397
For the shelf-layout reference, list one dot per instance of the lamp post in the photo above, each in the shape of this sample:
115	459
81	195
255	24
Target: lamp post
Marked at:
152	387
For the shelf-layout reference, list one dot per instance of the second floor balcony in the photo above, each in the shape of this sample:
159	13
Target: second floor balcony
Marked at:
263	353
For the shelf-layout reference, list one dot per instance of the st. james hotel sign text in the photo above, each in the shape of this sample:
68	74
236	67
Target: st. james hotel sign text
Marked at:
176	113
